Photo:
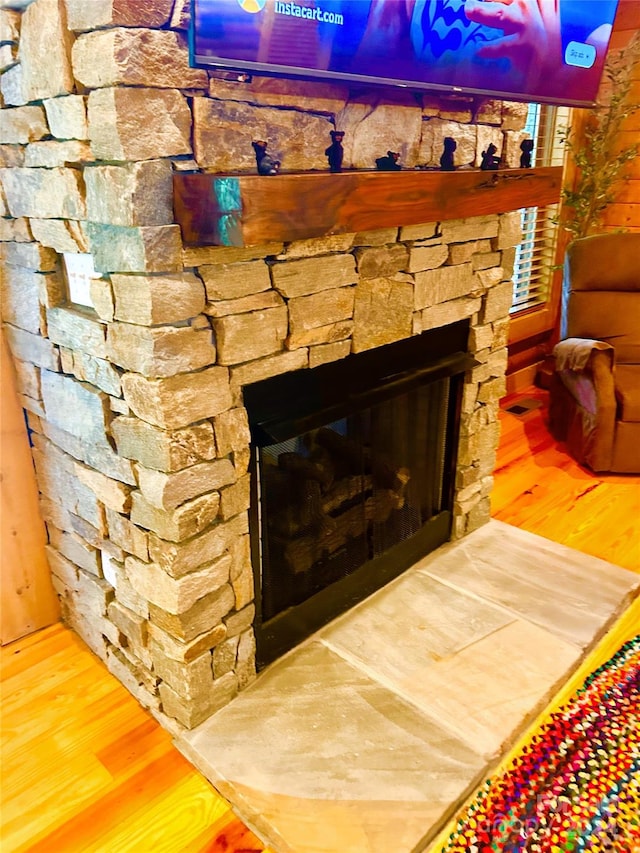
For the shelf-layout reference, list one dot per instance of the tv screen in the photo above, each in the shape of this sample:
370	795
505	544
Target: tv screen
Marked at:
550	51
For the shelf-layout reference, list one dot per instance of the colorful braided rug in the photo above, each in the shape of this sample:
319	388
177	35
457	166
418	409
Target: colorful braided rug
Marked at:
576	785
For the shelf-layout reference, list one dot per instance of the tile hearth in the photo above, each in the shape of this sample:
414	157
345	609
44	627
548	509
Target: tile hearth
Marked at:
366	737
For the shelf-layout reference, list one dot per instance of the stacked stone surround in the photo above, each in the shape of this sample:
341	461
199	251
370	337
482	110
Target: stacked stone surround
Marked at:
135	404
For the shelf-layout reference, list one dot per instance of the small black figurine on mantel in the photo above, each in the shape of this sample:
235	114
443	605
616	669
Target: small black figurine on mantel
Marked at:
489	160
334	153
389	163
265	162
446	160
526	146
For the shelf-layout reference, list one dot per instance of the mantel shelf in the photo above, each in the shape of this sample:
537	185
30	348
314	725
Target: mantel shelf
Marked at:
249	210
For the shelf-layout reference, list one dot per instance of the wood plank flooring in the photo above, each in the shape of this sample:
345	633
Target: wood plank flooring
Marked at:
85	768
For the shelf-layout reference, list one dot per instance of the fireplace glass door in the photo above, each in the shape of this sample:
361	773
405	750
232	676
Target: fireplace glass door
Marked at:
344	494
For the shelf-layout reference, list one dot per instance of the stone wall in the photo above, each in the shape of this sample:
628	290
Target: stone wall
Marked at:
134	400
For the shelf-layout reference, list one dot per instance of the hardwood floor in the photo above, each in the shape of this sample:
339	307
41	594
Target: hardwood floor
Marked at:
85	768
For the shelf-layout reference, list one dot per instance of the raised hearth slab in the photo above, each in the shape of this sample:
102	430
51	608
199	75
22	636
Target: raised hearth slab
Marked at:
368	736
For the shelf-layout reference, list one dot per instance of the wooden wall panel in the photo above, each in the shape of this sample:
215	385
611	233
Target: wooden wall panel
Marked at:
27	599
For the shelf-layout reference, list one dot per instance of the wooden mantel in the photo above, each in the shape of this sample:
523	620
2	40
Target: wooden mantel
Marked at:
248	210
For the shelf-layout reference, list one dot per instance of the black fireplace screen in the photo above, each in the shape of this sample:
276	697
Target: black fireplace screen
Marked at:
353	468
336	497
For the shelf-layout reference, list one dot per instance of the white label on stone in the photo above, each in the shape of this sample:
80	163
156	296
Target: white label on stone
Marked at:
79	271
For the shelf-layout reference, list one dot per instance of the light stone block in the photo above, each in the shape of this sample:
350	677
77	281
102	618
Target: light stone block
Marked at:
232	431
164	450
169	490
250	336
135	57
127	536
509	232
21	125
176	595
312	275
233	281
443	284
159	351
189	519
319	246
427	257
383	311
153	300
74	407
191	713
55	153
142	249
473	228
245	304
44	193
256	371
70	328
12	87
497	302
162	127
67	116
196	256
196	621
179	559
45	49
321	309
382	261
185	652
449	312
83	15
178	401
61	235
235	498
321	335
130	195
326	353
20	288
33	348
112	493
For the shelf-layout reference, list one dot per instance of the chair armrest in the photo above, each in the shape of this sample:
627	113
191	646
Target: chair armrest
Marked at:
576	353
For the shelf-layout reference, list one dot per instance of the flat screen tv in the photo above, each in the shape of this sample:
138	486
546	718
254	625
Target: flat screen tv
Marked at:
549	51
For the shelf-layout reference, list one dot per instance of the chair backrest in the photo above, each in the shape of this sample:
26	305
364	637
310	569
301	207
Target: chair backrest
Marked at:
601	297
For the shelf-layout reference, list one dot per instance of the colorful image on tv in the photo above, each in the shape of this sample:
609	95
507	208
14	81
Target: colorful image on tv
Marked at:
535	50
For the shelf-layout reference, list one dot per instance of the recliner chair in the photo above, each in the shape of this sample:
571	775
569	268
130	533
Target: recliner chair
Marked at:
594	402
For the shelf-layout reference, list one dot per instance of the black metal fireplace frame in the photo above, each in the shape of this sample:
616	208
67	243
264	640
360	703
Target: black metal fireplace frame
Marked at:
293	403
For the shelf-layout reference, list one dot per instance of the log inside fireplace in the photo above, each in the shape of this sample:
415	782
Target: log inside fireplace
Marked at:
353	473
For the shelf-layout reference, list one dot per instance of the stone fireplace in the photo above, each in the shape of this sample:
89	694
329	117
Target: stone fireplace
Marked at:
137	390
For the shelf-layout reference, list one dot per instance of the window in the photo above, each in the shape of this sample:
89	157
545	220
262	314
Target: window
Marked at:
533	267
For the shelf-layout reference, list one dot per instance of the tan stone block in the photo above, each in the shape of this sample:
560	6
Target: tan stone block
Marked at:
383	311
169	490
240	550
61	235
224	657
317	97
197	620
74	407
460	253
480	337
488	136
318	246
45	47
426	231
192	680
19	289
507	261
326	353
75	549
378	237
196	256
235	280
17	230
490	277
176	595
232	431
323	334
449	312
485	260
67	117
127	536
159	351
320	309
99	13
184	652
101	297
444	284
180	558
256	371
111	493
162	127
65	570
178	401
241	460
163	450
132	625
381	261
152	300
497	302
250	336
235	499
246	662
514	115
142	249
489	111
191	713
135	57
238	622
312	275
427	257
243	588
44	193
12	87
509	232
473	228
130	195
52	153
115	573
512	151
254	302
27	378
176	525
372	128
70	328
432	142
297	138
